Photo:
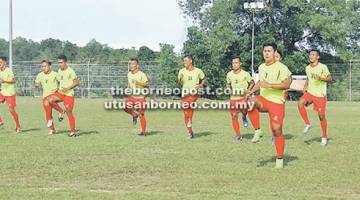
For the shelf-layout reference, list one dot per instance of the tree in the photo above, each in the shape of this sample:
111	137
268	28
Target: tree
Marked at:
170	65
146	54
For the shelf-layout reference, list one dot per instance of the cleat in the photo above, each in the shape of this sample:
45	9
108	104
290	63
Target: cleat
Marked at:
189	124
257	136
49	123
61	116
52	132
237	138
245	122
135	120
279	163
307	128
324	141
18	130
73	134
190	136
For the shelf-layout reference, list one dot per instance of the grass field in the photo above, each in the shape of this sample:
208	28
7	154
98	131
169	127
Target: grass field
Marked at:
108	161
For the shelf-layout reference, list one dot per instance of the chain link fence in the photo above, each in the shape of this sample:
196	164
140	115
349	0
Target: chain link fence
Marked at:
97	79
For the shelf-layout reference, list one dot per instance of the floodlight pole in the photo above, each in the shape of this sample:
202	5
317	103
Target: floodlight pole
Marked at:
10	35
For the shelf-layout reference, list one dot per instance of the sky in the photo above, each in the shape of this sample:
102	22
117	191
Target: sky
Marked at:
117	23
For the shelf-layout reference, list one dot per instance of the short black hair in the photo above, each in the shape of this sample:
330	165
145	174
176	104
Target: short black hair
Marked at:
235	57
62	57
188	56
46	61
280	53
317	51
135	59
4	58
270	44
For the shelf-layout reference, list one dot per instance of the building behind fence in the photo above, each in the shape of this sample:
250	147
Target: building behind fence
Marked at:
97	79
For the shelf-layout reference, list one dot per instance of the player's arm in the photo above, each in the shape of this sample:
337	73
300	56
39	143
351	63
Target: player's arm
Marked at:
202	83
306	85
325	79
280	86
11	81
181	79
37	85
142	84
255	88
251	84
75	83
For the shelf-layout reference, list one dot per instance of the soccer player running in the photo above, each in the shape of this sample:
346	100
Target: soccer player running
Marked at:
318	76
274	79
137	81
238	81
8	93
191	79
67	82
47	80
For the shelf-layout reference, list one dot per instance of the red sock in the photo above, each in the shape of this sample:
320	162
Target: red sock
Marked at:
48	112
187	118
280	145
131	112
143	123
57	107
303	113
71	121
324	128
1	121
236	126
254	116
16	118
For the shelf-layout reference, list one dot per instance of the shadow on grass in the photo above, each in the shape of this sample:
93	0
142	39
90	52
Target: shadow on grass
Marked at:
314	139
287	159
29	130
203	134
150	133
251	135
79	134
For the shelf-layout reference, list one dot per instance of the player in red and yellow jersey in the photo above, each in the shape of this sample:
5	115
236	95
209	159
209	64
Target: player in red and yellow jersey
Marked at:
318	76
191	80
137	81
67	82
239	81
274	79
47	80
8	93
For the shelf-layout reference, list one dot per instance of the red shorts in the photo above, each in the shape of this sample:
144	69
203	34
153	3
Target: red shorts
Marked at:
188	100
10	100
136	103
276	111
236	106
68	100
319	102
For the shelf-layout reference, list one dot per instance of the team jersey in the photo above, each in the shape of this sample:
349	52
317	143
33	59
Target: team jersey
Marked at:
191	78
273	74
140	77
49	82
238	82
7	89
66	79
316	87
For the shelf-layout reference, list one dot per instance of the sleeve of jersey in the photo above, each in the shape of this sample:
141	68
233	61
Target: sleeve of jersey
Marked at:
73	75
37	80
145	78
285	73
10	76
201	75
180	71
249	78
325	72
228	81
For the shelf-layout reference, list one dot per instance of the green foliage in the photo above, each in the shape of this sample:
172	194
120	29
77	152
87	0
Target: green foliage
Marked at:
170	65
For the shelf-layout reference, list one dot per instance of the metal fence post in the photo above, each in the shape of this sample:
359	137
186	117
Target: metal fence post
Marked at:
88	78
350	86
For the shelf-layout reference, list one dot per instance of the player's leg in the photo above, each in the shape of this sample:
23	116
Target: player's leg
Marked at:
320	107
129	103
11	100
69	102
245	119
276	114
142	117
188	113
234	111
2	100
254	116
304	100
60	110
48	115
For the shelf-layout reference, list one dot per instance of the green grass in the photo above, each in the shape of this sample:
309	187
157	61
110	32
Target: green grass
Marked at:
108	161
